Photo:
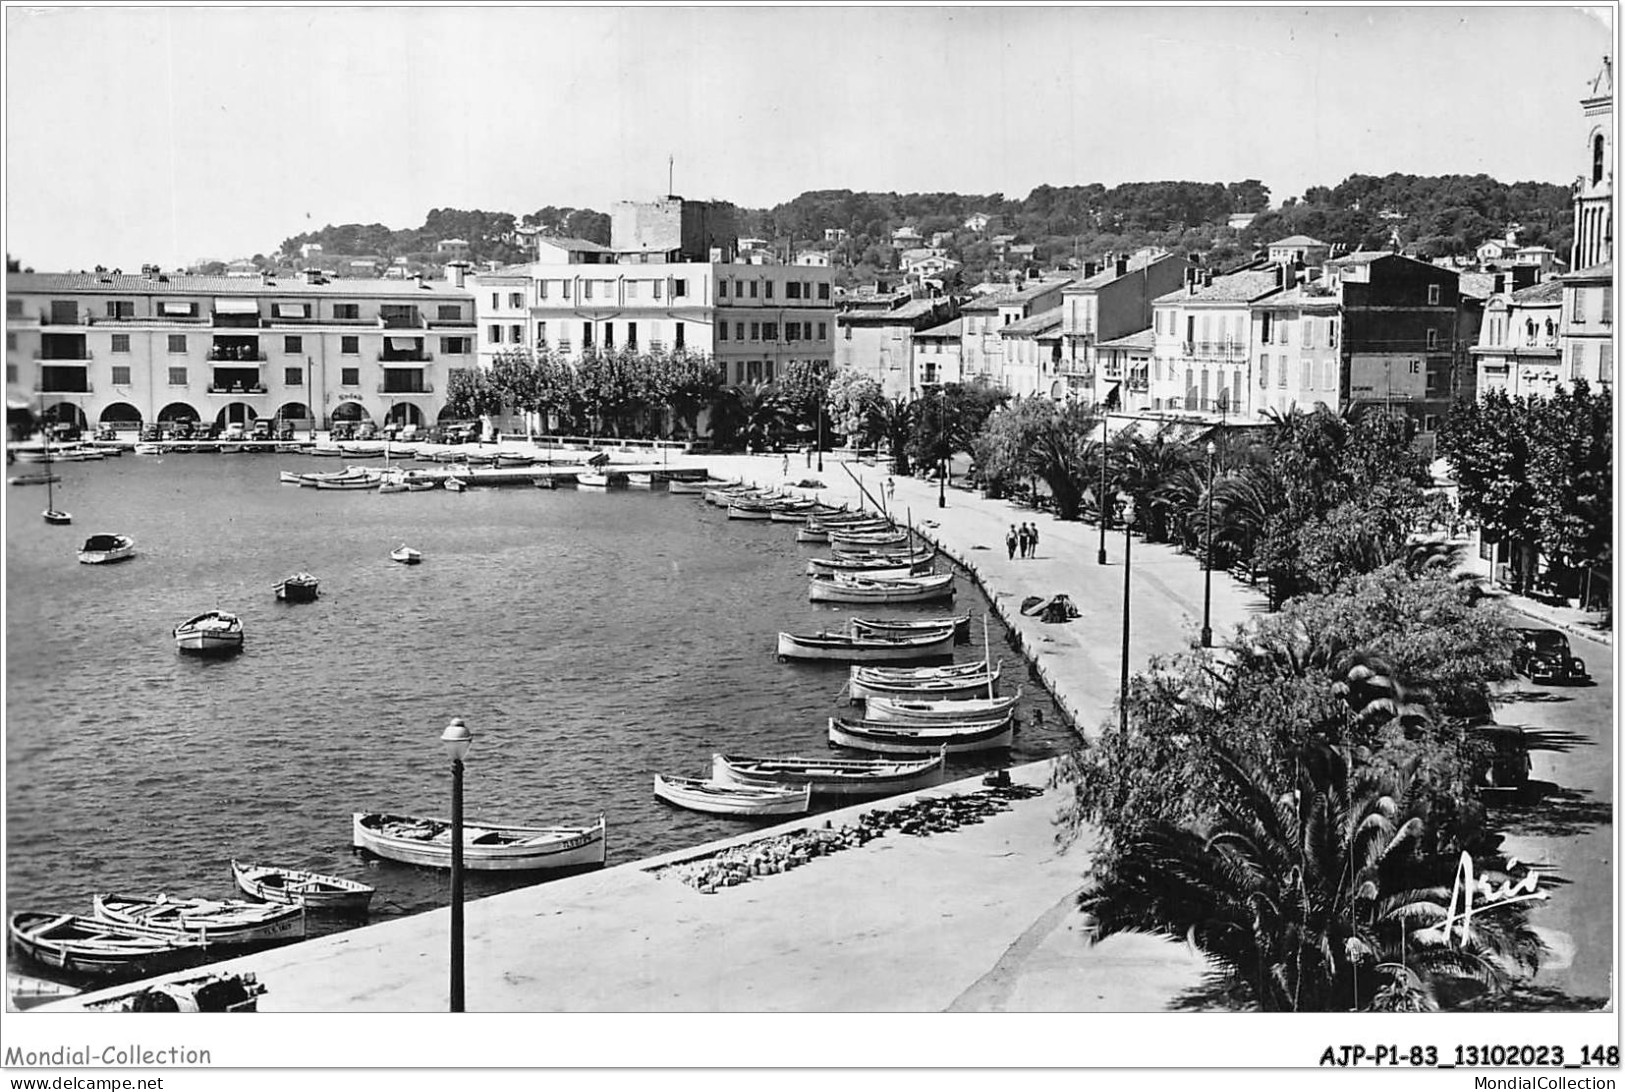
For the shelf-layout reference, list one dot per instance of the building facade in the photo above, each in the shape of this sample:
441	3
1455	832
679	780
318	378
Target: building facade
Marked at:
981	346
1586	328
936	354
100	348
879	342
1203	338
1594	190
1517	350
1111	301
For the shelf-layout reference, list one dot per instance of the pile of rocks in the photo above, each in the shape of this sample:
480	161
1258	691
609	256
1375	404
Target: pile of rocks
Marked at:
782	852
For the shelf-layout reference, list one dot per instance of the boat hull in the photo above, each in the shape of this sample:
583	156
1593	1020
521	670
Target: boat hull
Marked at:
842	779
912	590
902	627
231	924
296	887
106	550
840	648
538	848
938	710
729	799
297	590
883	738
99	949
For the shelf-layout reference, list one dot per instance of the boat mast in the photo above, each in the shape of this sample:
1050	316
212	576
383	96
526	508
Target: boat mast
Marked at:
987	655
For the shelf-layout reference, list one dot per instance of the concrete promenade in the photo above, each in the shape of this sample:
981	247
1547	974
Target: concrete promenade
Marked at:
977	919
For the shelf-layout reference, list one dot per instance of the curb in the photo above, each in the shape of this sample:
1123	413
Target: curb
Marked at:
1603	637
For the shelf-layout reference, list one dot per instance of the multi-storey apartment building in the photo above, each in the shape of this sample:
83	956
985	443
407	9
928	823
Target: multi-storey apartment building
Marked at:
1586	328
1517	350
936	353
1113	300
1296	347
1032	355
879	342
981	347
94	348
1203	338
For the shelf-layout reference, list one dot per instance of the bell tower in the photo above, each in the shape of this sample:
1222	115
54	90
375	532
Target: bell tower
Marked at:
1594	191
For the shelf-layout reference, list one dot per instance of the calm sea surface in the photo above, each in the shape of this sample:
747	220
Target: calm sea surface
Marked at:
588	639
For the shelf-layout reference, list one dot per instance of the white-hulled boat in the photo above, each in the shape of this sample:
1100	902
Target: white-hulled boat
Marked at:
924	674
592	479
149	448
866	539
841	778
405	555
289	477
297	588
726	798
918	589
902	627
640	479
871	570
750	509
297	887
106	549
845	648
968	686
882	737
692	488
456	483
206	991
939	710
212	632
211	921
350	479
101	949
487	847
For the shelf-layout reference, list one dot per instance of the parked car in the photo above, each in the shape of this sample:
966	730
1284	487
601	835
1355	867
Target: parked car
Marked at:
234	431
1543	656
1505	762
264	428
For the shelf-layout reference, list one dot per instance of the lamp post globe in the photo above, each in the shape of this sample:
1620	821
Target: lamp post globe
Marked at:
456	740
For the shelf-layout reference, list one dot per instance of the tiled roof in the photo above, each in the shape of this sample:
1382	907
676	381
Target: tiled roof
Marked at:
1033	324
1243	287
564	242
1297	240
1109	274
1303	297
954	329
182	284
1544	292
901	314
1478	286
1012	297
1140	339
1361	257
1601	271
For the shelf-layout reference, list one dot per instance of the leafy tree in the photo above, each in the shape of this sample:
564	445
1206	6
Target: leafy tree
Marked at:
470	393
855	400
1570	471
1037	438
1487	444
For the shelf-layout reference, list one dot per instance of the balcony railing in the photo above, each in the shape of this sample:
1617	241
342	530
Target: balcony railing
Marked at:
237	388
390	388
414	321
223	355
457	322
409	358
59	386
70	360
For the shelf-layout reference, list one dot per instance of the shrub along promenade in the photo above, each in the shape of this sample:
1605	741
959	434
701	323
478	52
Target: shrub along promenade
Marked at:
976	918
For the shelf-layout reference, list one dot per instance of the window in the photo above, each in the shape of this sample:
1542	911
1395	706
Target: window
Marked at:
1551	332
350	345
1328	375
823	290
1597	159
121	375
632	289
1529	332
722	289
752	289
293	377
14	308
770	331
792	290
496	301
739	331
293	344
177	377
1580	304
121	342
564	290
541	334
679	341
349	377
493	334
823	332
449	312
586	290
753	371
722	331
455	346
767	371
586	335
631	331
1306	378
1433	338
1607	307
346	311
121	309
1433	295
756	331
541	290
516	300
1280	371
609	335
11	341
1308	333
1605	362
792	331
177	343
1430	422
516	335
1331	333
679	288
658	287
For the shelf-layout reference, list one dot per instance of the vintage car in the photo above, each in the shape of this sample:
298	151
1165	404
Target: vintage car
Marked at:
1543	656
1505	755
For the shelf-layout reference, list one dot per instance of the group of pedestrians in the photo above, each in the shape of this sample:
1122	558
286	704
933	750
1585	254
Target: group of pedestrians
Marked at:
1023	538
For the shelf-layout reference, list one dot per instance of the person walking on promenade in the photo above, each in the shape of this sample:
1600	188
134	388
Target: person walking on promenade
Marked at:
1010	542
891	487
786	469
1032	541
1023	539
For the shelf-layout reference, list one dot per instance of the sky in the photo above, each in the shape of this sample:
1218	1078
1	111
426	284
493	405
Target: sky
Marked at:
169	135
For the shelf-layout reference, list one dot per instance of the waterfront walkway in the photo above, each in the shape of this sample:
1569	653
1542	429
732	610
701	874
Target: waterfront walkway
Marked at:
978	919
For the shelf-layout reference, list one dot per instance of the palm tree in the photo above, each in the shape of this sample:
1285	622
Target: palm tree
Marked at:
1317	899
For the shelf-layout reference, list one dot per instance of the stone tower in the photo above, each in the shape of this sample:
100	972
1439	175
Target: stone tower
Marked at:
1594	192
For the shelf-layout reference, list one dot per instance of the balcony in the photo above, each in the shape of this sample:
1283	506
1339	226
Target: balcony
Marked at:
64	386
237	388
84	356
403	320
64	318
457	323
396	388
226	354
406	358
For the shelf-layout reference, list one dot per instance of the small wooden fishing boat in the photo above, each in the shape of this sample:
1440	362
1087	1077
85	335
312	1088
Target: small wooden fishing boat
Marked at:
210	991
147	448
507	459
301	587
939	710
841	778
640	479
968	686
592	479
845	648
321	451
924	674
419	481
32	479
101	949
882	737
872	569
868	538
693	488
405	555
297	887
209	921
487	847
898	627
750	509
544	481
350	479
392	483
804	534
289	477
725	798
456	483
215	632
846	589
106	549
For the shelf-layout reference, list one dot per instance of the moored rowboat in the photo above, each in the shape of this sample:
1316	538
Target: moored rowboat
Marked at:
918	589
213	631
101	949
939	710
487	847
210	921
844	778
845	648
881	737
106	549
297	887
723	798
901	627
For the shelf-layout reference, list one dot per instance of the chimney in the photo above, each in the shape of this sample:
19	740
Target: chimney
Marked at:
1500	283
1090	269
1120	267
1207	278
313	276
1280	276
456	272
265	277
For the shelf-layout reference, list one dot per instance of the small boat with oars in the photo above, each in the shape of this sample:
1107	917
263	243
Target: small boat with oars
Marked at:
837	647
865	684
487	847
297	887
592	479
840	588
226	922
640	479
106	950
725	798
902	627
214	632
839	778
299	587
106	549
876	569
406	555
884	737
938	710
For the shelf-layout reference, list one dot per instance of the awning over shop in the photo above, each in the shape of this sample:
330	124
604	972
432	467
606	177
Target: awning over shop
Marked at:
236	306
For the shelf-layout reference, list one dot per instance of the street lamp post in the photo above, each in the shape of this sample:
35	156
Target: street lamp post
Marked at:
1207	575
820	412
1100	558
456	739
1127	502
942	426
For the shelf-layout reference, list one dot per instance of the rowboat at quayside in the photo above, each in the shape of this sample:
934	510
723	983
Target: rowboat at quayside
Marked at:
924	674
939	710
722	798
297	887
845	648
799	511
106	549
405	555
214	632
901	627
842	778
592	479
298	588
877	569
289	477
691	488
640	479
868	538
881	737
210	921
844	589
968	686
101	949
365	479
749	509
487	847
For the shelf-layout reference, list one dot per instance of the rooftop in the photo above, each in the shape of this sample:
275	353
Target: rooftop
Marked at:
1602	271
1033	324
1013	297
566	242
1298	240
1139	339
1545	292
954	329
1243	287
1109	274
183	284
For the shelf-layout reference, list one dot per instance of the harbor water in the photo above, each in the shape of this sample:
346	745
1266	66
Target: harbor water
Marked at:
589	639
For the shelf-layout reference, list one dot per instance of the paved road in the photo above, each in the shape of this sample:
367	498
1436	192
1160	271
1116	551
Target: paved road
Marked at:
1569	831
